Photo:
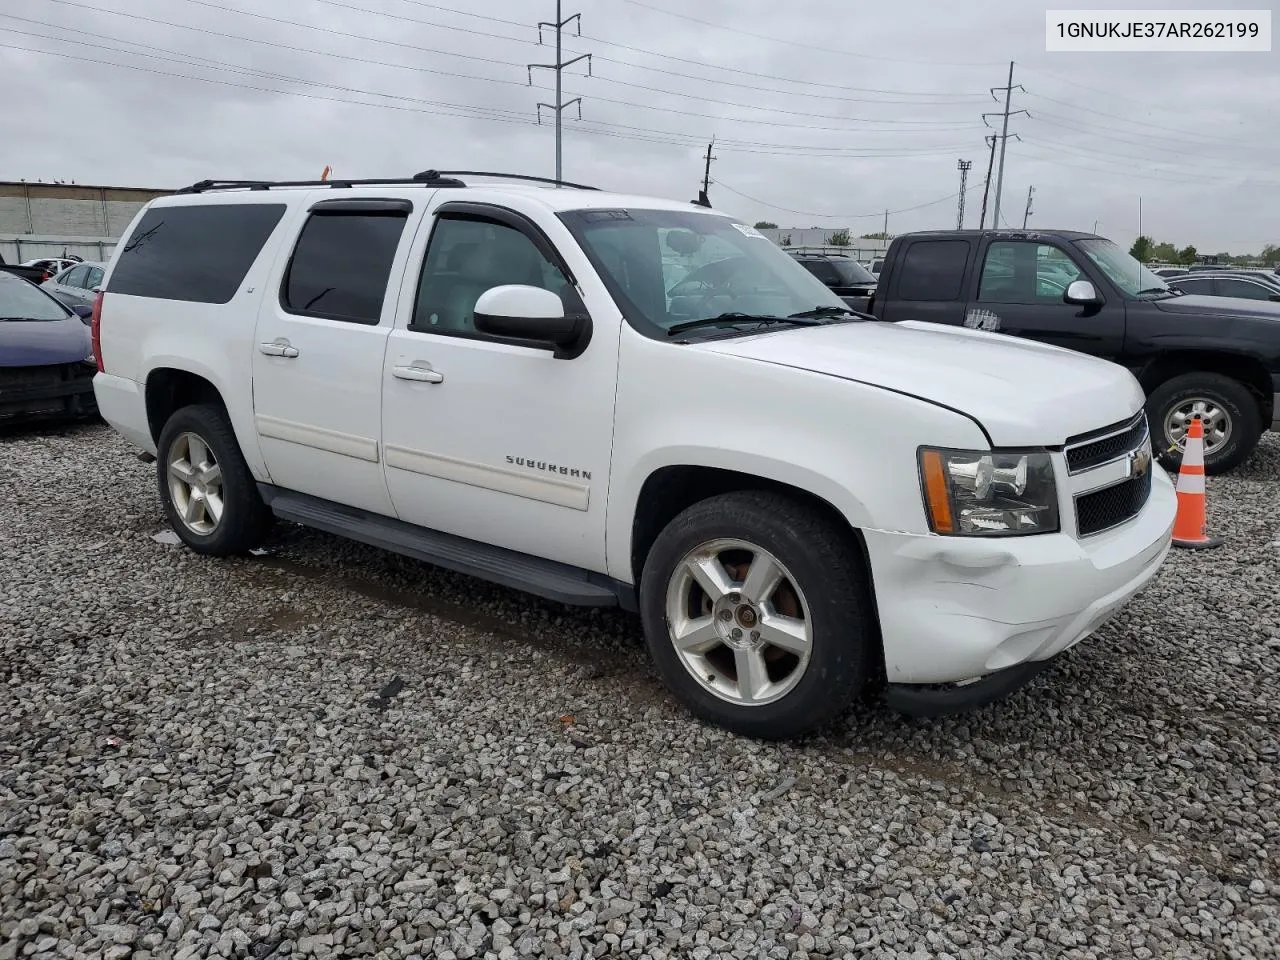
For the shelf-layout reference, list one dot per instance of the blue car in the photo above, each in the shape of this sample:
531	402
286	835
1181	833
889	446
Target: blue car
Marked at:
46	356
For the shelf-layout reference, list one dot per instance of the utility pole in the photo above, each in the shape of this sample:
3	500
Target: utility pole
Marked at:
986	189
704	199
886	226
559	66
1003	135
1027	212
963	166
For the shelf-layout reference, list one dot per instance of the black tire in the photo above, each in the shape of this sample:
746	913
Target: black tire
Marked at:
829	571
1231	395
245	519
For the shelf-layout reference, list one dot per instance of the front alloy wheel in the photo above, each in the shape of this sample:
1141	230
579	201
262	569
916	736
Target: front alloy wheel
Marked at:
739	623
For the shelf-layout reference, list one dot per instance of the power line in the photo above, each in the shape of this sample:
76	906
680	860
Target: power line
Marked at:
806	46
834	216
559	67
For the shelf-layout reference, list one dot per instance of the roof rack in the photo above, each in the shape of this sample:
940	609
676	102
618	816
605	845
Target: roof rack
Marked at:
427	178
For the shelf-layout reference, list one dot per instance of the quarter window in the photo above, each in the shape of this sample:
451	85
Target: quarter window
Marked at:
341	265
933	270
465	258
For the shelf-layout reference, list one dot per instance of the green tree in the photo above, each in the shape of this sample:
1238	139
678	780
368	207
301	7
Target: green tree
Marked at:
839	239
1165	252
1141	249
766	225
1187	256
1270	254
875	236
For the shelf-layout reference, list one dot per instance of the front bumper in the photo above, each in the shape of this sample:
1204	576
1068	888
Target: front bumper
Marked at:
953	610
45	392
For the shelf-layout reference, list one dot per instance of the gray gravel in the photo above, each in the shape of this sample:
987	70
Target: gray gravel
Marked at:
329	751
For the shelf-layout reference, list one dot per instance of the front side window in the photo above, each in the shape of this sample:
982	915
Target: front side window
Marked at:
465	258
75	277
1021	272
933	270
1245	289
1201	286
665	267
341	265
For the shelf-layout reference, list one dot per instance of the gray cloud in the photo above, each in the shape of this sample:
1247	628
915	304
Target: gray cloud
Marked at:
798	123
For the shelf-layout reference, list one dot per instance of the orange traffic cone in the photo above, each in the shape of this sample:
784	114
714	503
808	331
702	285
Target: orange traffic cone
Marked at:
1189	524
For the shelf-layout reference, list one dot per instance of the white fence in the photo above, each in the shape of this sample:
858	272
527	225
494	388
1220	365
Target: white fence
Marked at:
17	248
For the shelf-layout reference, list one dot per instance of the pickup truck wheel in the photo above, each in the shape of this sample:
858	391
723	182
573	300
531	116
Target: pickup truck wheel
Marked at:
756	613
1226	408
209	494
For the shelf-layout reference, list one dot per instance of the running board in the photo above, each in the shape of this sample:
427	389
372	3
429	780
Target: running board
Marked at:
519	571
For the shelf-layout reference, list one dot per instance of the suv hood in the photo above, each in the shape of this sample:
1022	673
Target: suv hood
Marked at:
34	343
1219	306
1023	393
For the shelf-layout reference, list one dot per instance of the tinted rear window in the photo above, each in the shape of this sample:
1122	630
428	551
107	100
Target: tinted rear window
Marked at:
341	266
933	270
196	253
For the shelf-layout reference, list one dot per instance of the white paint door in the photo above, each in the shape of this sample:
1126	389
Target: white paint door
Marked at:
318	352
487	440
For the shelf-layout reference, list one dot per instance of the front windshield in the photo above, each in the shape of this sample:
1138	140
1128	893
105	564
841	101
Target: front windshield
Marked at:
852	272
1121	269
20	300
665	267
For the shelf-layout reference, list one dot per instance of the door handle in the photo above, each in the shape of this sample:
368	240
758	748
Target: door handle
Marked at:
417	371
280	347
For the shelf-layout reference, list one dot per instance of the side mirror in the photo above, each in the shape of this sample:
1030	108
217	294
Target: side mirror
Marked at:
83	311
1274	296
1081	292
519	312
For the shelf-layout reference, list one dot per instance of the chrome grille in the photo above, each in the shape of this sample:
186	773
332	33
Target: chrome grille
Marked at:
1094	453
1111	471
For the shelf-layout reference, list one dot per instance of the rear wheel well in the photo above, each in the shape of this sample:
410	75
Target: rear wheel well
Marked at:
169	390
670	490
1246	370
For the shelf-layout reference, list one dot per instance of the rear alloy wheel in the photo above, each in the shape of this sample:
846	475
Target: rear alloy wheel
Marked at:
756	612
209	494
1226	409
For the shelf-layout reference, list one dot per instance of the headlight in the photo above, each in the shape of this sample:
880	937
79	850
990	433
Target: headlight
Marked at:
971	493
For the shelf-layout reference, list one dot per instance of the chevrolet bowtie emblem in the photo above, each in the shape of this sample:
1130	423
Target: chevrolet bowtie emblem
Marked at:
1139	463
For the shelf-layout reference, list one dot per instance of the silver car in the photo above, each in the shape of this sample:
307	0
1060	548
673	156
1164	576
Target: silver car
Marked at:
76	286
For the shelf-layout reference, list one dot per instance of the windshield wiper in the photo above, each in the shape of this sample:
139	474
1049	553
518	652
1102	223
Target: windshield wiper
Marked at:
733	318
830	312
1155	290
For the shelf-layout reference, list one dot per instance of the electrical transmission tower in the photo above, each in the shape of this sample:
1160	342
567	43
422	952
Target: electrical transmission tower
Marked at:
559	67
963	166
1003	135
1026	214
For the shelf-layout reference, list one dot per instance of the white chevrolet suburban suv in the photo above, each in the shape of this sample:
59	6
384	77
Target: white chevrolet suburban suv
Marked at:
617	400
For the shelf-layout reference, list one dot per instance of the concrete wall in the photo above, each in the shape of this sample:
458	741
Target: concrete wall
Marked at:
43	219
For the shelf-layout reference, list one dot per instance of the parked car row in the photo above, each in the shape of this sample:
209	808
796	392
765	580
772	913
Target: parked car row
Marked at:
609	401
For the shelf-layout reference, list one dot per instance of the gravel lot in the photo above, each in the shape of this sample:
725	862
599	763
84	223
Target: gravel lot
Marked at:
330	751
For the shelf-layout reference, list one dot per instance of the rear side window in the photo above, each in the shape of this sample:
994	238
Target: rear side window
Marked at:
195	253
341	265
933	270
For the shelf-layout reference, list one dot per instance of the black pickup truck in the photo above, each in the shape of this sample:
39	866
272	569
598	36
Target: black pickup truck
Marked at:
1213	357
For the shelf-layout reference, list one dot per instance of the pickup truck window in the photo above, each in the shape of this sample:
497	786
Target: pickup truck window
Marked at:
933	270
1201	286
1121	269
466	257
1024	272
340	266
199	253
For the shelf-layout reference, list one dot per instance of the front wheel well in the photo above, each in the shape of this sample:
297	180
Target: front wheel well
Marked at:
169	390
670	490
1246	370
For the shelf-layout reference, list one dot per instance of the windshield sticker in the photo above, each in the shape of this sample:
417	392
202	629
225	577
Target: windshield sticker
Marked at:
977	319
746	231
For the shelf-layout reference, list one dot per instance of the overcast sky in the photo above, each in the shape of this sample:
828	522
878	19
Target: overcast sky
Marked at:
824	115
